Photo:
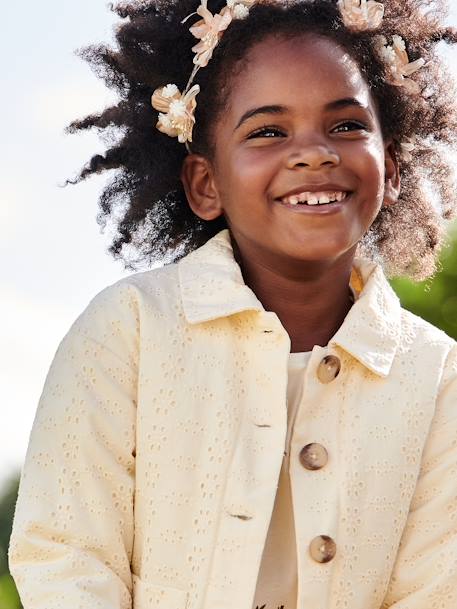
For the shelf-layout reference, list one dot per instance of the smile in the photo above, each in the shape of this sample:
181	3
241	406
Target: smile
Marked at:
315	198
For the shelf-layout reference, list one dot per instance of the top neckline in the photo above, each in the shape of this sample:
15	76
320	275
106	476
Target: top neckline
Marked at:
299	359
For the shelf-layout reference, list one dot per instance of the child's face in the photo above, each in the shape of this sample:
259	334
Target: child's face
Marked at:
304	139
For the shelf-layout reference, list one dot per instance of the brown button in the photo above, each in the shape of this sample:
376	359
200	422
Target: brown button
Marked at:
313	456
328	369
322	549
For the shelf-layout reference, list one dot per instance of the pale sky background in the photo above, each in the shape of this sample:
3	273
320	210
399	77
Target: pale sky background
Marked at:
53	256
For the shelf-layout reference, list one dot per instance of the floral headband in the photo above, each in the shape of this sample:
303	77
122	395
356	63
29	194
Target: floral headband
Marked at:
177	110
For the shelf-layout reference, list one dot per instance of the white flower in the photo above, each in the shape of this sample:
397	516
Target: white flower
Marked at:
240	8
170	91
398	42
165	121
177	109
361	14
240	11
397	62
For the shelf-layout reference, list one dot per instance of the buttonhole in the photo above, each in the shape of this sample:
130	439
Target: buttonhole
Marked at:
268	331
264	425
241	516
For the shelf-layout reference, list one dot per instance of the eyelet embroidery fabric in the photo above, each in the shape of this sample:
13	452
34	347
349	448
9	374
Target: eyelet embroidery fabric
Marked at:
157	446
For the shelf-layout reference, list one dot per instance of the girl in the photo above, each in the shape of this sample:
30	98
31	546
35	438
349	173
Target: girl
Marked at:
258	423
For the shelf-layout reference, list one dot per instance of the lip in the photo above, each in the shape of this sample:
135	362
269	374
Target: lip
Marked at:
315	188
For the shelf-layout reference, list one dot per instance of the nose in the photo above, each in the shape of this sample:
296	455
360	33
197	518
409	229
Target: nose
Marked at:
313	156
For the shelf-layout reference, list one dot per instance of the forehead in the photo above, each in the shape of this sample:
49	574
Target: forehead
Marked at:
311	69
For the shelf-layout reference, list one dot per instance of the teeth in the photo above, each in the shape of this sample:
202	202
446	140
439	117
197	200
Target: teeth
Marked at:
315	198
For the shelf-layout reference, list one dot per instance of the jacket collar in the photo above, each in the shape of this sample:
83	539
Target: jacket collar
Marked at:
212	286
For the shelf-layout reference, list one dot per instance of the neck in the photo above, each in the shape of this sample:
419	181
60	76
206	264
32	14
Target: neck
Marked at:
311	299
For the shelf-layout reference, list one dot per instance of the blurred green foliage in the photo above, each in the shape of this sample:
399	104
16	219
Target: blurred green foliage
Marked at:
434	300
9	598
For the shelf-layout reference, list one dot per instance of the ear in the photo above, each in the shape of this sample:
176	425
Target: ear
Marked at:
197	176
392	175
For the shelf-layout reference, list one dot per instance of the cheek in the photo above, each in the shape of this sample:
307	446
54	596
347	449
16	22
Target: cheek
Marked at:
374	168
245	175
254	165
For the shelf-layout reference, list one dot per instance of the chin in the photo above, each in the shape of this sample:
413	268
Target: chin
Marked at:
324	251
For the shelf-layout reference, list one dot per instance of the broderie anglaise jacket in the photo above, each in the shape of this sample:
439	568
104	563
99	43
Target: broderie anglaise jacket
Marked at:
154	457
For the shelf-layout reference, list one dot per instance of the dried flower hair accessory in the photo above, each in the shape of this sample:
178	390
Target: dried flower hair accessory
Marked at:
406	148
397	61
177	110
361	14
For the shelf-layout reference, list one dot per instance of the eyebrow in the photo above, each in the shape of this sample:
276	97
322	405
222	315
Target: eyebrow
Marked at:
337	104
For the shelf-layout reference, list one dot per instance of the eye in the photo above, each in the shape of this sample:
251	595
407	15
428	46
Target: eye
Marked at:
266	132
349	126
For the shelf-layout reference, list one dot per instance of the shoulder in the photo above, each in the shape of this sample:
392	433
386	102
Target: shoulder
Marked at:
126	296
423	332
113	317
431	348
383	307
422	339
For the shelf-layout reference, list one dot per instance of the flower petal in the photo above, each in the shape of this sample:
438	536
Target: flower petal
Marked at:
199	29
189	97
223	20
203	55
375	14
406	147
204	12
412	67
164	126
162	102
411	86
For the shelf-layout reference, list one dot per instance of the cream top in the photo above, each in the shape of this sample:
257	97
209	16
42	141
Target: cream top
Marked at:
277	579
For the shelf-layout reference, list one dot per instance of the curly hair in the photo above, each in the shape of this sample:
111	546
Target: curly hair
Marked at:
145	198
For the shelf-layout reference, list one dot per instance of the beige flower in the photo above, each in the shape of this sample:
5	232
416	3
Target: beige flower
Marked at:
407	147
397	61
176	111
361	14
209	30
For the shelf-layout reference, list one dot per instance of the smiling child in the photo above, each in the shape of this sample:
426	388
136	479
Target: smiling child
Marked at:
258	423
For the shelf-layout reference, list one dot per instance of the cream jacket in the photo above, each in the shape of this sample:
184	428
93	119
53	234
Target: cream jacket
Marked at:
155	453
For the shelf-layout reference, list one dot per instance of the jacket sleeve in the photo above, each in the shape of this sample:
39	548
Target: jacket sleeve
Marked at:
425	572
71	543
